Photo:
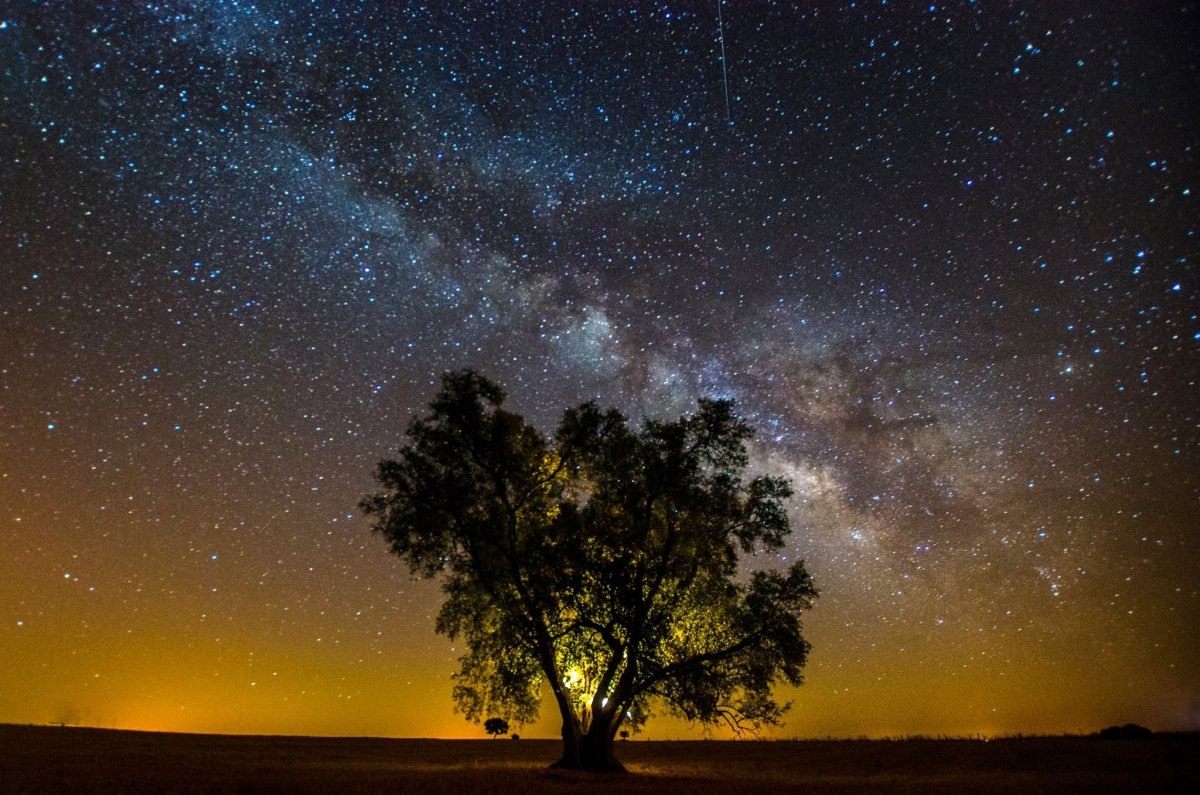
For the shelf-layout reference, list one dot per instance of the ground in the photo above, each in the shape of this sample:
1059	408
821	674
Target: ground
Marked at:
62	759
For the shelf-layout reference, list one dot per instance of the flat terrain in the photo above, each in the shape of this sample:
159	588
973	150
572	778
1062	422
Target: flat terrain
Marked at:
54	759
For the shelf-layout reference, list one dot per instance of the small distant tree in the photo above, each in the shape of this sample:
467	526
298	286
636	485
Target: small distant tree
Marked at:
624	734
495	727
603	561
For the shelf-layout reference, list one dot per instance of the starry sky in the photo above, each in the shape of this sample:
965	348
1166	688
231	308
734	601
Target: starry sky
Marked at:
942	255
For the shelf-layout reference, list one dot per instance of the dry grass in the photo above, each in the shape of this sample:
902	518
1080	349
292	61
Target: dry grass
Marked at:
53	759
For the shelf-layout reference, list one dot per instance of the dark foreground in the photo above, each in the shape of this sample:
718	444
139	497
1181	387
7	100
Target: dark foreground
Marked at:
52	759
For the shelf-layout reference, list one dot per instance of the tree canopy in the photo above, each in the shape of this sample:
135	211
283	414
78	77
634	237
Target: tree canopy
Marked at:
603	560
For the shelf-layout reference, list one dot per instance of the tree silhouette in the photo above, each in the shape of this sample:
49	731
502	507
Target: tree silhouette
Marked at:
604	560
495	727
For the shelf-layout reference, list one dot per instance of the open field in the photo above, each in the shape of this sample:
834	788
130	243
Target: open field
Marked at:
54	759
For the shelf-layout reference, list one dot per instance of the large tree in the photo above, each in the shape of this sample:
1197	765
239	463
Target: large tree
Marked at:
604	561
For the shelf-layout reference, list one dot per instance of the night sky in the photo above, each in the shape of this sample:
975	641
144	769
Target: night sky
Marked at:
942	255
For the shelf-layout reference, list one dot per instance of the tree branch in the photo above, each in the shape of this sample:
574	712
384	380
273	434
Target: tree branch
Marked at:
697	661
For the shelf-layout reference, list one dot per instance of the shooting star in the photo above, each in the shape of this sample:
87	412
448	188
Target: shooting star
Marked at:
724	69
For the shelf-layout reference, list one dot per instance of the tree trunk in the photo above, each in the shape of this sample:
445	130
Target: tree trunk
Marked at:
572	754
590	751
598	749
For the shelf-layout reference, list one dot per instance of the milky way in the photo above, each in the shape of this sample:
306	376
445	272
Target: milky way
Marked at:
940	255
